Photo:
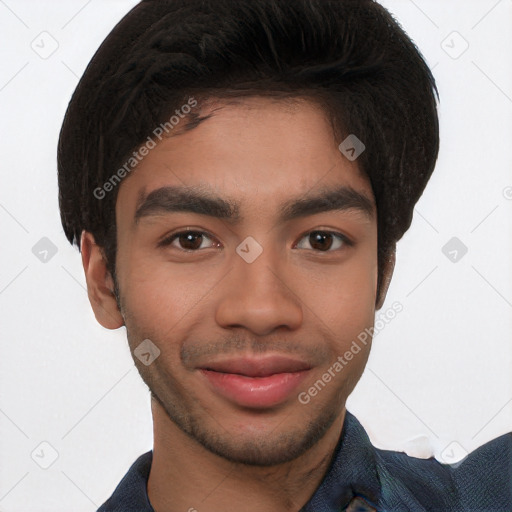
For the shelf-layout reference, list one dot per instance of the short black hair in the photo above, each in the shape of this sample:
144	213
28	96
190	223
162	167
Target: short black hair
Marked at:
350	56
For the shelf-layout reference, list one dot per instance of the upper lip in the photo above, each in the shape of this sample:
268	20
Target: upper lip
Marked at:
258	367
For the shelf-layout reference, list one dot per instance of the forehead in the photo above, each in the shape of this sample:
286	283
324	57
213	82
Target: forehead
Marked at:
263	151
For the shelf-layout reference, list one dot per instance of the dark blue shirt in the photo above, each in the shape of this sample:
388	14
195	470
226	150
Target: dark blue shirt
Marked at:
363	478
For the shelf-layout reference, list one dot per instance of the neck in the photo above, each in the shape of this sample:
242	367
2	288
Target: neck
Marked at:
187	477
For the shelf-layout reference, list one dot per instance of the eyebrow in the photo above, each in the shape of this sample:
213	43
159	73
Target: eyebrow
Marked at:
203	201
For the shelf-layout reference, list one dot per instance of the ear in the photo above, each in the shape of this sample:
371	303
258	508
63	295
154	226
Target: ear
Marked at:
387	274
100	285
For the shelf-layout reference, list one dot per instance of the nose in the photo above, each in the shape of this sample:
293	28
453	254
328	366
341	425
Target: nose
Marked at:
259	296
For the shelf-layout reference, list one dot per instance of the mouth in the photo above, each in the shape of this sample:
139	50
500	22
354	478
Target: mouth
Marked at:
255	382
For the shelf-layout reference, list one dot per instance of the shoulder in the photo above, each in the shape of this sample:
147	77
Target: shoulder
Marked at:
484	478
130	495
420	484
481	482
403	482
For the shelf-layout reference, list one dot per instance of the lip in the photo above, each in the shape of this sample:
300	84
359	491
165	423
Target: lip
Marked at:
255	383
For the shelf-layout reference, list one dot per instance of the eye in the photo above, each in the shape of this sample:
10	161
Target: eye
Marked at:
189	240
323	241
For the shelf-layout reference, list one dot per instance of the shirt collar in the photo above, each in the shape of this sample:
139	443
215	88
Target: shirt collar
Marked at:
352	473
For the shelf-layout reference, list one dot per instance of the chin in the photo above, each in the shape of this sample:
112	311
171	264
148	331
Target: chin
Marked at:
259	446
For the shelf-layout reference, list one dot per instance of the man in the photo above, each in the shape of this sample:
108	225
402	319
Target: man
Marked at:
236	175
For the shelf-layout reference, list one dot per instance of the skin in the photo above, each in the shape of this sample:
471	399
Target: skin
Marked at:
297	298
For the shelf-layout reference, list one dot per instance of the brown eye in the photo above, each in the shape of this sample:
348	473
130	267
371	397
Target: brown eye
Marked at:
187	240
323	241
190	241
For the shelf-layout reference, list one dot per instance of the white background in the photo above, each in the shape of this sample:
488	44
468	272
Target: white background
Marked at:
440	372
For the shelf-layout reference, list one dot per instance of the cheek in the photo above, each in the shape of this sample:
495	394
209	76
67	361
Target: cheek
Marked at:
160	296
344	297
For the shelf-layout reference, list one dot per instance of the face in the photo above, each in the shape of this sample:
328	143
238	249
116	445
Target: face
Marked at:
247	255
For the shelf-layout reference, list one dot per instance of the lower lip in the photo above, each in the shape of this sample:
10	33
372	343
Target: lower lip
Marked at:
258	392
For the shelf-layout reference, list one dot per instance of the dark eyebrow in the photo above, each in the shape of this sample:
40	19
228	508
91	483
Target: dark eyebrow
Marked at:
185	199
201	201
341	199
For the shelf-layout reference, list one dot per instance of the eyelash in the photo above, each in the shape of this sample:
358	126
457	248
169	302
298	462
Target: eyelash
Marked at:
170	239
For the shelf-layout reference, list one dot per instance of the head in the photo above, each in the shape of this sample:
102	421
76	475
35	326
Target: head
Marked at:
224	119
